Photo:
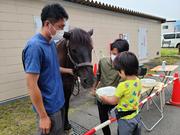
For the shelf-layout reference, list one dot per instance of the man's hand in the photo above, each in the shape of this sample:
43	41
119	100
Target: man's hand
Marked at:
71	71
45	125
93	91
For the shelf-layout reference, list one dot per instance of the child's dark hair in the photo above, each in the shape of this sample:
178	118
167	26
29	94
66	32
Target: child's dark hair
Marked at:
121	44
53	12
128	62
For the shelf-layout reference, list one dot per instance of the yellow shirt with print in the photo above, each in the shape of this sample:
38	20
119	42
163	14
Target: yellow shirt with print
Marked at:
128	93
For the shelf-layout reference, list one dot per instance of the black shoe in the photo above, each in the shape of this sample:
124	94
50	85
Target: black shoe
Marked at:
67	126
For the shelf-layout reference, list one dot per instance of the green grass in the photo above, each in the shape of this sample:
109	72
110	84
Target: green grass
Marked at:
158	61
17	118
170	55
169	51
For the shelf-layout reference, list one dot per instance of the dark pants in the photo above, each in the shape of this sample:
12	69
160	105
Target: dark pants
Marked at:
103	115
129	127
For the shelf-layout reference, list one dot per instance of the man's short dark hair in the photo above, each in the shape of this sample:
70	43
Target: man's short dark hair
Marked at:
121	44
128	62
53	13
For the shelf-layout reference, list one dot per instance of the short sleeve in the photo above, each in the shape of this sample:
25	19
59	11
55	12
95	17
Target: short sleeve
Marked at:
120	90
31	57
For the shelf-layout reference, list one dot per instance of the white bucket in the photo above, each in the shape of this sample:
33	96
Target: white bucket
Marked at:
105	91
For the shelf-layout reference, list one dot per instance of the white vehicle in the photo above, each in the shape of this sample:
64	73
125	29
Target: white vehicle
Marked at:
171	40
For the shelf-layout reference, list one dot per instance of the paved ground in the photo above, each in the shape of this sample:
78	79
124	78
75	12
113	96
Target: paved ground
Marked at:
84	113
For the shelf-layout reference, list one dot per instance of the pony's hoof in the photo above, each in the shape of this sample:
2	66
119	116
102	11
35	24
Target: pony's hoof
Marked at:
69	132
67	126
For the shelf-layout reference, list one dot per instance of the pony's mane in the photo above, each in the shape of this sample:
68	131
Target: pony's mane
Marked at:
79	36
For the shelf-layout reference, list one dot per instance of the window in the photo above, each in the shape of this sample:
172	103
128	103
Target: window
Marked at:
178	35
165	27
177	28
169	36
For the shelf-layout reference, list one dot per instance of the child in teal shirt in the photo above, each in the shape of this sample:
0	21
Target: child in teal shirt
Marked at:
127	94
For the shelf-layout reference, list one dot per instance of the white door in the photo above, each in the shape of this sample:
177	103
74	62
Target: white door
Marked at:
142	43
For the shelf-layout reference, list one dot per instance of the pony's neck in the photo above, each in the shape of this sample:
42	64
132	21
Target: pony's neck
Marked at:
63	57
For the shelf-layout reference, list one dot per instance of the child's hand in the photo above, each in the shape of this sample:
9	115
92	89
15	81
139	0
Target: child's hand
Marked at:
111	100
103	98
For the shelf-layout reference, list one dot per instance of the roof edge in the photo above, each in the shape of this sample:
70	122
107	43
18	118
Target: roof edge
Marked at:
117	9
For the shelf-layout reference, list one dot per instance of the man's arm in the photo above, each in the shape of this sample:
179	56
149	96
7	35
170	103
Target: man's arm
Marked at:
36	98
66	70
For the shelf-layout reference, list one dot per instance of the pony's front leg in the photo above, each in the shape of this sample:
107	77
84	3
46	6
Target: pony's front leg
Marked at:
68	88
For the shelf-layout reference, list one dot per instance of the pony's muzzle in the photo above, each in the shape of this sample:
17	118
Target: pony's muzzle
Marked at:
87	82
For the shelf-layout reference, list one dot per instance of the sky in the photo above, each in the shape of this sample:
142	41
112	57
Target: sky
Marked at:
168	9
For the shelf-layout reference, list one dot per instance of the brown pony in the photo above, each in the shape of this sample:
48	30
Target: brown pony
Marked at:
75	51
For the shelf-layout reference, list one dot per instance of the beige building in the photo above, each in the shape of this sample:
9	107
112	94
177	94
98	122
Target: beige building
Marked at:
17	26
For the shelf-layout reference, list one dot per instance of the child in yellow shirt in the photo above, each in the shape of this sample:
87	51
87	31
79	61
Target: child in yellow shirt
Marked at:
127	94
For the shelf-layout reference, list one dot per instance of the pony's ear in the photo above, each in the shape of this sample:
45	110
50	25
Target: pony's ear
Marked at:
91	32
67	35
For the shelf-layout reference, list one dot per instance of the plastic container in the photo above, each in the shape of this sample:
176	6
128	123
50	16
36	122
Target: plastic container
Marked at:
163	65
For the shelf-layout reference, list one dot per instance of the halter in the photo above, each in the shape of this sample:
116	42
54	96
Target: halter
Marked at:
76	65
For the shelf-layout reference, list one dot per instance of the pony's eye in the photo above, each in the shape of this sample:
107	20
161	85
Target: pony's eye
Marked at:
74	51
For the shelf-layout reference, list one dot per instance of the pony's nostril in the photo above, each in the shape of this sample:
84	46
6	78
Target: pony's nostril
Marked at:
85	81
88	82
